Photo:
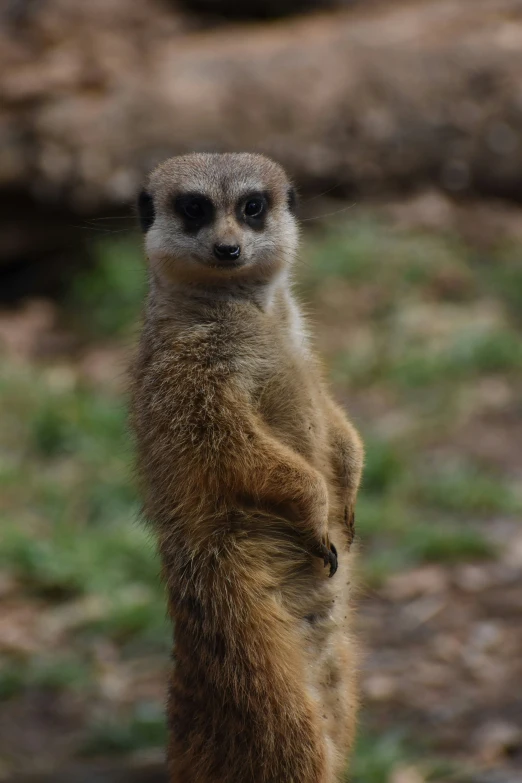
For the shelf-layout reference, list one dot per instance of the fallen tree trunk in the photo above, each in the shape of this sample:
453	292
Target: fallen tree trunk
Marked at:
388	96
400	94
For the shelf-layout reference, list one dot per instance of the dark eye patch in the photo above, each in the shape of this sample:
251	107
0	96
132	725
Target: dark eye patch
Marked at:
195	209
146	212
252	209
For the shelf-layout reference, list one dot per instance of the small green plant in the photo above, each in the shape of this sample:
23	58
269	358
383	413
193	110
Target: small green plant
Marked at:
466	490
106	300
384	466
376	758
146	728
59	673
447	544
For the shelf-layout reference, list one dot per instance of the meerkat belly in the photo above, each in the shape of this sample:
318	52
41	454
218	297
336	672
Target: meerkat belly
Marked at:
291	407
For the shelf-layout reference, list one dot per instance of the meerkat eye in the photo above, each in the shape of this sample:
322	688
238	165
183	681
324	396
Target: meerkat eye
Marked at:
195	209
255	207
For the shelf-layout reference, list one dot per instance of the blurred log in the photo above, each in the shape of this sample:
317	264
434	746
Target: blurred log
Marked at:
93	94
385	97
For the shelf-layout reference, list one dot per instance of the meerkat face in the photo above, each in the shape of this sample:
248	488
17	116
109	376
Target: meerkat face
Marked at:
211	217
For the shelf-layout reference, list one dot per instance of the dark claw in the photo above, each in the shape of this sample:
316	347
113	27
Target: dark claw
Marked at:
329	556
332	560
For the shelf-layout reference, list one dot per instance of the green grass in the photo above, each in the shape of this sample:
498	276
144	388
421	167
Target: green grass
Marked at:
384	466
120	735
467	490
395	535
365	250
68	510
501	273
106	300
411	512
75	562
61	672
409	361
436	312
376	757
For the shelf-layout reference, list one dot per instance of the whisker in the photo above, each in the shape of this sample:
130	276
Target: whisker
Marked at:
100	230
329	214
114	217
324	193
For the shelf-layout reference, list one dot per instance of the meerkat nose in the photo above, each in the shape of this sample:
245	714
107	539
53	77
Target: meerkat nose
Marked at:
227	252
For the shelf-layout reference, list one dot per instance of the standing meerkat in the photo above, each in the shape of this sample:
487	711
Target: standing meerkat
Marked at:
249	473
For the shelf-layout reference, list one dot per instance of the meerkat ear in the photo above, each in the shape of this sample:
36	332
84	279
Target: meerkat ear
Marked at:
146	213
292	199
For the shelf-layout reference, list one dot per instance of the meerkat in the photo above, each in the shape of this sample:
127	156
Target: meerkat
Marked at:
249	474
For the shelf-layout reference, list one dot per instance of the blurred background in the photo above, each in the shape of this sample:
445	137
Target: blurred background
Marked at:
401	123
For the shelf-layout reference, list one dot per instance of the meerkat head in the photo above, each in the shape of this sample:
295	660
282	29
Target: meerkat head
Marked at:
216	217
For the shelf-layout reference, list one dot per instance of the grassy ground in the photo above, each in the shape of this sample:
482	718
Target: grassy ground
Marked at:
422	336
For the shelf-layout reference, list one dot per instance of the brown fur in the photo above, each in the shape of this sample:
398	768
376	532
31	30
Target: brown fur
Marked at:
249	470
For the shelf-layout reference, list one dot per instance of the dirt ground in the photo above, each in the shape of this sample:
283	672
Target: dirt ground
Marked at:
443	658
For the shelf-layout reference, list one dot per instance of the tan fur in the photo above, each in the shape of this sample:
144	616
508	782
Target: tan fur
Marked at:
249	471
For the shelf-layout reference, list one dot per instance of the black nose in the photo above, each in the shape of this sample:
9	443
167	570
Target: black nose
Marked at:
227	252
